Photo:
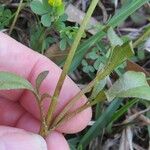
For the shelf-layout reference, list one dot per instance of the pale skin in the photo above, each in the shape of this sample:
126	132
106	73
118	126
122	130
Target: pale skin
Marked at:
19	113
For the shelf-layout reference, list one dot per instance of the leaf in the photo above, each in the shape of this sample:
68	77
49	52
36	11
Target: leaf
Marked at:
114	38
142	92
63	44
37	38
98	87
92	55
73	142
10	81
46	20
131	84
117	19
118	55
128	8
100	97
37	7
41	77
60	10
123	109
100	123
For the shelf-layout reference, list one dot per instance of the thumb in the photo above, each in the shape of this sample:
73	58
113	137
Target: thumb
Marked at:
18	139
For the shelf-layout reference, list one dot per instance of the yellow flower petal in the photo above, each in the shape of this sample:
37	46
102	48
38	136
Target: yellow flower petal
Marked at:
55	3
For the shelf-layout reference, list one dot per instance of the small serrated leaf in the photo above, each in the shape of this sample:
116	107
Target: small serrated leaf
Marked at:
40	79
46	20
10	81
38	8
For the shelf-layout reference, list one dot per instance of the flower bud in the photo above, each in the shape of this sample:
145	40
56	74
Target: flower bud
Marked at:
55	3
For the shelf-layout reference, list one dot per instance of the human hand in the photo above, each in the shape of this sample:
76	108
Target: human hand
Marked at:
19	113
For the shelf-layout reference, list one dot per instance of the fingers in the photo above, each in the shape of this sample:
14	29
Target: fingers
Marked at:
56	141
10	112
29	64
28	123
17	139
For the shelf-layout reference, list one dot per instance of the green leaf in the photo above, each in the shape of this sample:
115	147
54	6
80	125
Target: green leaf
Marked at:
63	44
1	10
37	7
100	123
10	81
100	97
131	84
40	79
60	10
114	38
98	87
46	20
118	55
129	7
92	55
142	92
117	19
37	37
63	17
98	63
123	109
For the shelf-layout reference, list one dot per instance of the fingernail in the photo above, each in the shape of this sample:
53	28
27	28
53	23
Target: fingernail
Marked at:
41	143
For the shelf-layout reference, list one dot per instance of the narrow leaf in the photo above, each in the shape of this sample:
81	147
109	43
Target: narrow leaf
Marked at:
10	81
100	123
41	78
128	8
123	109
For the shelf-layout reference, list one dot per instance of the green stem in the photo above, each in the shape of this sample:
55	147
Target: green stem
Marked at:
70	115
16	16
101	75
69	61
100	97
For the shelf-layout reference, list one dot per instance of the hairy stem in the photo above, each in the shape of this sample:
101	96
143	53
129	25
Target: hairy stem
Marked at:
69	61
70	115
87	89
